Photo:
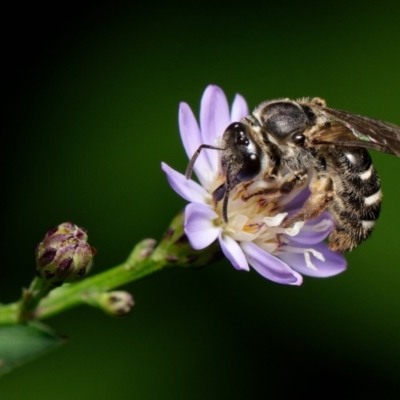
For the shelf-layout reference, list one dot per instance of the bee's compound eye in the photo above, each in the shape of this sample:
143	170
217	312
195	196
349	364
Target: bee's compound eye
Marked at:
299	139
251	168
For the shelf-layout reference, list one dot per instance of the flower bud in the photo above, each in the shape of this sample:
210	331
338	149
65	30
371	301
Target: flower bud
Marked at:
118	303
64	254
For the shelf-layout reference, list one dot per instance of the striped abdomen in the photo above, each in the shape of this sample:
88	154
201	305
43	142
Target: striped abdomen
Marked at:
357	200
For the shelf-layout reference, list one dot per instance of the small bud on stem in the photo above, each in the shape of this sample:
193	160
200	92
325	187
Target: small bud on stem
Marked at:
117	303
64	254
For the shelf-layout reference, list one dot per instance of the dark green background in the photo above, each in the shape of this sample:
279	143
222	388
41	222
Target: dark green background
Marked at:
92	97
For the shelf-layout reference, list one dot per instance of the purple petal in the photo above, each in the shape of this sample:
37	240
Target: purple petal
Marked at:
334	263
189	129
233	252
294	203
214	119
186	188
199	225
239	108
191	139
269	266
310	234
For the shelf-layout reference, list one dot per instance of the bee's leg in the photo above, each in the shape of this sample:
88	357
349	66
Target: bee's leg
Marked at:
322	194
296	179
270	192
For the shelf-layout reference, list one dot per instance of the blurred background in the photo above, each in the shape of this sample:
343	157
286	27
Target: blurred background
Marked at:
92	94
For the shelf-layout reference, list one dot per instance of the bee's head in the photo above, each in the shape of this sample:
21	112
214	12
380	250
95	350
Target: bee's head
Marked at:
241	161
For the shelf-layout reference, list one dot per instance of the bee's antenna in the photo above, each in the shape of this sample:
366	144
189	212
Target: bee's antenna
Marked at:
226	196
225	207
190	166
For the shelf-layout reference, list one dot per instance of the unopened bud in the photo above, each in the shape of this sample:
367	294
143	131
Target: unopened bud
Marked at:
64	254
117	303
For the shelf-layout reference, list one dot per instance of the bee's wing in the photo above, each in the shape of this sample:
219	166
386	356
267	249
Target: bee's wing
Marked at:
359	131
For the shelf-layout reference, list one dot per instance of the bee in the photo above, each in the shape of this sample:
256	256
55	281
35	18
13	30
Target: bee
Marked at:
290	143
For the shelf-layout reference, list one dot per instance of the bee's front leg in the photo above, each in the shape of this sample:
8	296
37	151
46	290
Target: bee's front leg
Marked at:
322	195
281	186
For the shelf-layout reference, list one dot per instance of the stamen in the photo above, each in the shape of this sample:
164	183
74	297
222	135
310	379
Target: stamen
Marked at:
276	220
307	255
253	228
308	261
316	254
295	229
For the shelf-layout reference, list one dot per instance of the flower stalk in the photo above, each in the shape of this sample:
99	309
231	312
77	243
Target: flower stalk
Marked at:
42	300
31	297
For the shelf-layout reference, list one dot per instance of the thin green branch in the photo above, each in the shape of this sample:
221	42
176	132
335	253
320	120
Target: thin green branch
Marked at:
69	296
139	264
41	301
31	297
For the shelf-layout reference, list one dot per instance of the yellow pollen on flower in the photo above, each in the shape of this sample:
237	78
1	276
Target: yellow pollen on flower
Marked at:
252	228
250	208
252	216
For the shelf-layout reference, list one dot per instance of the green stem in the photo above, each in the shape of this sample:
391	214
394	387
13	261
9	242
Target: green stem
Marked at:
42	301
31	297
71	295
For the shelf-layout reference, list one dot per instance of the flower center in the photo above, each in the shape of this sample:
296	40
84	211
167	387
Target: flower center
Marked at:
255	215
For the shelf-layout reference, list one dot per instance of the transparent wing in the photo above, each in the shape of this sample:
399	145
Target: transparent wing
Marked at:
349	129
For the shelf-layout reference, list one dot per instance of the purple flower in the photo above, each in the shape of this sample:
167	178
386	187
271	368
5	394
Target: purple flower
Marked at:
252	236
